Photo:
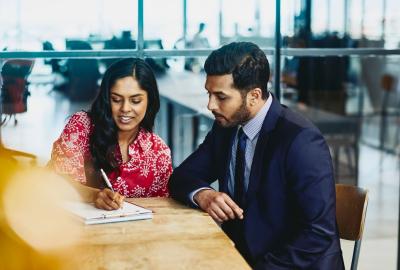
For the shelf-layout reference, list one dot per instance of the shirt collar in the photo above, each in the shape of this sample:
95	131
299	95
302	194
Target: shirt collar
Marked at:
253	126
141	141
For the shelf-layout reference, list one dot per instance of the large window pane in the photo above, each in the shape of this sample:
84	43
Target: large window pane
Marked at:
327	15
355	86
392	23
26	24
206	12
368	24
250	21
163	21
373	18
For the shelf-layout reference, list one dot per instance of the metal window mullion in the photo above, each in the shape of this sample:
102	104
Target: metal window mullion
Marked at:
339	52
189	53
277	71
346	17
140	39
184	30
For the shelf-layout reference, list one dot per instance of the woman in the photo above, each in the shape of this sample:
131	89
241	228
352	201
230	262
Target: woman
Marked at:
116	135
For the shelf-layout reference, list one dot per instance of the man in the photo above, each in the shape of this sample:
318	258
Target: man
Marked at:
277	193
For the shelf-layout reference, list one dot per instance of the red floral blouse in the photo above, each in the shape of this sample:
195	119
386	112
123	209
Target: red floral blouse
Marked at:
146	173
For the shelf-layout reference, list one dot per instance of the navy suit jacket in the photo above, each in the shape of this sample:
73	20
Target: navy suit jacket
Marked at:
289	210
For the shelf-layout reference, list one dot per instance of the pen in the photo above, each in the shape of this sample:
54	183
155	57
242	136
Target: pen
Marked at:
106	180
108	183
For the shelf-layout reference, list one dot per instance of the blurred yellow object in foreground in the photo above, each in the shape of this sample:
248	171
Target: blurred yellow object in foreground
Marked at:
35	232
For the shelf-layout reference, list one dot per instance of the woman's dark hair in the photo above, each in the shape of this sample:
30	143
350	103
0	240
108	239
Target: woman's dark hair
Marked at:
104	138
245	61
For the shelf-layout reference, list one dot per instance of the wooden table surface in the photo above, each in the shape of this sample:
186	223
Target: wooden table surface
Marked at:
176	238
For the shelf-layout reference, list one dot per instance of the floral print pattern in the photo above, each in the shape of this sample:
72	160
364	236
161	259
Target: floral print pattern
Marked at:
145	174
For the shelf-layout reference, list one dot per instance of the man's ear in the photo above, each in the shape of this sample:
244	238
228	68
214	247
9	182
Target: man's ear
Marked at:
254	95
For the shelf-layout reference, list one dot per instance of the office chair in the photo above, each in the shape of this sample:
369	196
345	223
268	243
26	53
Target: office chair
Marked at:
351	209
158	65
14	95
82	74
346	170
14	91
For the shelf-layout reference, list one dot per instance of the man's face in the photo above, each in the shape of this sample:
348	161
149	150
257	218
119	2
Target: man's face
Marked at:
226	102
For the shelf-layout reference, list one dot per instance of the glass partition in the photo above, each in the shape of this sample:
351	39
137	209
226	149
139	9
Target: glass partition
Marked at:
354	100
253	21
364	87
203	23
162	22
27	25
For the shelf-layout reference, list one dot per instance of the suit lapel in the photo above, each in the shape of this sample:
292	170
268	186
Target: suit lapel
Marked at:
264	148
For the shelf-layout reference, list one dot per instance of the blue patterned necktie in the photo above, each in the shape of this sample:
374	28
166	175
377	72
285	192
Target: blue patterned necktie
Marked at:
239	168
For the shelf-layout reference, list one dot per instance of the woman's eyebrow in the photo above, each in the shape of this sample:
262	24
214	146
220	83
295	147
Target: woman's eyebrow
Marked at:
136	95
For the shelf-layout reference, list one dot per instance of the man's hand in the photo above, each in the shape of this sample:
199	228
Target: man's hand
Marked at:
218	205
108	200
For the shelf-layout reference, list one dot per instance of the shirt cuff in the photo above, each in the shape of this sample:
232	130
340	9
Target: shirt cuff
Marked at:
191	194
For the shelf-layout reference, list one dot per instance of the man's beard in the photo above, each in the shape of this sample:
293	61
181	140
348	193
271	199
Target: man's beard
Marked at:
241	116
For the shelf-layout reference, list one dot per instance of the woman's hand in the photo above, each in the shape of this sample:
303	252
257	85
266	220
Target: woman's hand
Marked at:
108	200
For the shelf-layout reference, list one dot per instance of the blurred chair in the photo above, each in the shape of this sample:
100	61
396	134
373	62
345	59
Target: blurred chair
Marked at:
83	74
58	69
380	75
14	91
371	71
159	65
351	209
388	83
345	170
322	81
14	95
115	43
346	142
54	63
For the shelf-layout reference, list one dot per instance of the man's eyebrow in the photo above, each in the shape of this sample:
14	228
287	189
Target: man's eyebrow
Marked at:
219	93
216	92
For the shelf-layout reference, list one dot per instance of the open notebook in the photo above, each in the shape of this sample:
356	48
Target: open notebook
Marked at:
92	215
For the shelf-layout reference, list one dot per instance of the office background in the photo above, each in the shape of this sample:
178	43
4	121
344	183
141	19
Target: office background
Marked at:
337	62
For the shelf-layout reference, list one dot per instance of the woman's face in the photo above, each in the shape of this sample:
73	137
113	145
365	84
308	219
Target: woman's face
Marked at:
128	104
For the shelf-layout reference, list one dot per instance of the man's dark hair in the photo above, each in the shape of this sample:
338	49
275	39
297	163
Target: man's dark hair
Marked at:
104	139
245	61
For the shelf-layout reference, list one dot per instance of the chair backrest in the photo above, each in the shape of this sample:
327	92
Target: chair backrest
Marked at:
14	91
351	209
83	74
17	68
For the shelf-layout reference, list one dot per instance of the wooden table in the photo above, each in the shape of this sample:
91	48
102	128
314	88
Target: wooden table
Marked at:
176	238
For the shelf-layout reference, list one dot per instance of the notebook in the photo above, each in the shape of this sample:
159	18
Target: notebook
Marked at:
92	215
